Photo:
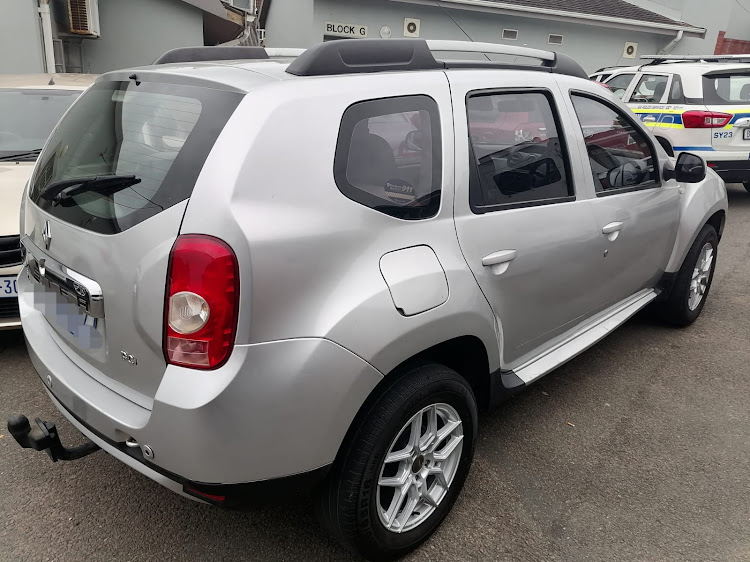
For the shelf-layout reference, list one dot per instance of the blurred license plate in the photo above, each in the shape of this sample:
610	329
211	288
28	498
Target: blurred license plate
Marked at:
8	287
746	134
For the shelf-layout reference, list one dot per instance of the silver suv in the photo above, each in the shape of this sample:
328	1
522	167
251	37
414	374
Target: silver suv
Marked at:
286	274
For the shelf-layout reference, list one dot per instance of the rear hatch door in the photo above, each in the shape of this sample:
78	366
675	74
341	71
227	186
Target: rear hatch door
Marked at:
106	203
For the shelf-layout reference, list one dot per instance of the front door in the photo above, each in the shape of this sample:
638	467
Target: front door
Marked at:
637	214
527	235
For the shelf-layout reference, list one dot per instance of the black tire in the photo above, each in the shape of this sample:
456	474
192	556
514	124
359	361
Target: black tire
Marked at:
347	504
747	185
675	309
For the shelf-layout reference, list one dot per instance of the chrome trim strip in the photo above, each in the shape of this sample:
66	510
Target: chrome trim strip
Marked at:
77	288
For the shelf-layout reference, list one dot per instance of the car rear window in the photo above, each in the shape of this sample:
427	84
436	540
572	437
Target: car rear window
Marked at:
726	89
159	133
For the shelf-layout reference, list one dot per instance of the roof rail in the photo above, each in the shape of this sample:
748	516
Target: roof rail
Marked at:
196	54
659	59
353	56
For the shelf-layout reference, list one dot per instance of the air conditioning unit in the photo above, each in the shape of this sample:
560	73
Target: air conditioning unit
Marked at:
83	17
630	50
411	27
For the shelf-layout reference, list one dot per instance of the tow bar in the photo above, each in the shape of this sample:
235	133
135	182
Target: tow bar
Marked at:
44	437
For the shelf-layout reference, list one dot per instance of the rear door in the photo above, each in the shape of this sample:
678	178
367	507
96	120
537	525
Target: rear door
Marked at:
525	229
727	94
98	251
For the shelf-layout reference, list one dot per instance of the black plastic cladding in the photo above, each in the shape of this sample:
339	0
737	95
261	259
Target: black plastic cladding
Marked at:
195	54
354	56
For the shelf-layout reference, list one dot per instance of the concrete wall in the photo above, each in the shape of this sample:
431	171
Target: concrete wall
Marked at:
137	32
20	37
592	46
290	24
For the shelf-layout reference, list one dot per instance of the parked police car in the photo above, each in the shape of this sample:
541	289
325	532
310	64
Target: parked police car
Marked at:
696	104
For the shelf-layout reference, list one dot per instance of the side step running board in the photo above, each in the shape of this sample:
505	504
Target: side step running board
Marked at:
44	437
581	341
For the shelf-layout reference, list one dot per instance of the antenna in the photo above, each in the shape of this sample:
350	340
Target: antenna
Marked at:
439	5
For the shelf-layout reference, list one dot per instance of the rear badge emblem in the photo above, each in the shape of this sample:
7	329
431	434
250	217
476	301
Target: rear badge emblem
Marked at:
47	235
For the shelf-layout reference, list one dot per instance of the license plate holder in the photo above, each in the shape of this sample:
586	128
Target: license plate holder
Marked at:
8	287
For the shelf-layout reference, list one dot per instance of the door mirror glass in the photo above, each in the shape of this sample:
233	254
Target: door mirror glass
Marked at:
690	168
629	174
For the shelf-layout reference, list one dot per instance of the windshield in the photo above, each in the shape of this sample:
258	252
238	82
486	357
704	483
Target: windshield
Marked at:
27	117
154	135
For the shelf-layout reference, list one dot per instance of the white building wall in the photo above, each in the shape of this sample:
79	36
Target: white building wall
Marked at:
20	37
137	32
592	46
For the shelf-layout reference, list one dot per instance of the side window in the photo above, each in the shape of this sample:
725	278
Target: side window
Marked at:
650	89
518	155
619	84
388	156
676	94
619	154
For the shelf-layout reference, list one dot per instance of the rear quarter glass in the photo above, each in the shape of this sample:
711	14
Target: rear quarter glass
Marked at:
161	133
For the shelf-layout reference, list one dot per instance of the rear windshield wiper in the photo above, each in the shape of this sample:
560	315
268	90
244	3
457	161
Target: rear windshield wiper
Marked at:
61	192
27	154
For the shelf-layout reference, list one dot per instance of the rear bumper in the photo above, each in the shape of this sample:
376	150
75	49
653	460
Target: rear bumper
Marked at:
731	171
228	495
273	410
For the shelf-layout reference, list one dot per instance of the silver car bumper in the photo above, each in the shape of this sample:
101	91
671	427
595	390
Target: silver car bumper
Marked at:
273	410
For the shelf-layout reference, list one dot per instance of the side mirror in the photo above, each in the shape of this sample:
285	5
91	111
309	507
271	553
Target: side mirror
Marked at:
690	168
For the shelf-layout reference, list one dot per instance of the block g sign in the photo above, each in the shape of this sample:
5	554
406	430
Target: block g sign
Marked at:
346	29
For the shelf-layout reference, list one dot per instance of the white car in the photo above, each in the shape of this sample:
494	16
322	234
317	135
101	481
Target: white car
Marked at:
697	104
30	105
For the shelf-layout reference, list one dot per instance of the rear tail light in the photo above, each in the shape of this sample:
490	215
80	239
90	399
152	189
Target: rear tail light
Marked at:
705	119
202	302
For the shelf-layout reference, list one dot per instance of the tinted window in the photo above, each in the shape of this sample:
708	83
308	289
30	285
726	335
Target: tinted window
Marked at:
650	89
619	84
28	117
619	154
518	155
159	133
726	89
388	156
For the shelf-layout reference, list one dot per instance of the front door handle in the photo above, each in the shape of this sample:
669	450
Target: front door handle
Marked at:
612	230
499	261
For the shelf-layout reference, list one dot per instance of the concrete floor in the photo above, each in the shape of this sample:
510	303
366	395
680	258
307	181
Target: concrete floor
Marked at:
656	467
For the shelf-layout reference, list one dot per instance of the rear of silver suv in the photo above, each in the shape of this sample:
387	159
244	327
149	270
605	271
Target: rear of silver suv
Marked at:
247	276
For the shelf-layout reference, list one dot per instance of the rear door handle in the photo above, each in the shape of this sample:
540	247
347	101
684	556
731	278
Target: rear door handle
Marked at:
499	261
612	230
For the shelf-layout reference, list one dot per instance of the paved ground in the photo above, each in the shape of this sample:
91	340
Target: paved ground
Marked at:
657	467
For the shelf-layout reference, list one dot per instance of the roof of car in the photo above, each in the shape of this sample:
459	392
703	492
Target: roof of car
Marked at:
47	81
234	75
683	68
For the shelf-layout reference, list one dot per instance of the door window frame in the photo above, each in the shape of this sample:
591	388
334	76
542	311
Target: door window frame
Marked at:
637	125
475	187
639	76
629	90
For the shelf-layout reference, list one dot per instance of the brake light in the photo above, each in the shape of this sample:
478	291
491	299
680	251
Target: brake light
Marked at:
705	119
605	86
202	302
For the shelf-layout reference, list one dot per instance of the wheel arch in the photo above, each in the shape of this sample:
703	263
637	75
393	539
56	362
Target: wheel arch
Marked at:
467	355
